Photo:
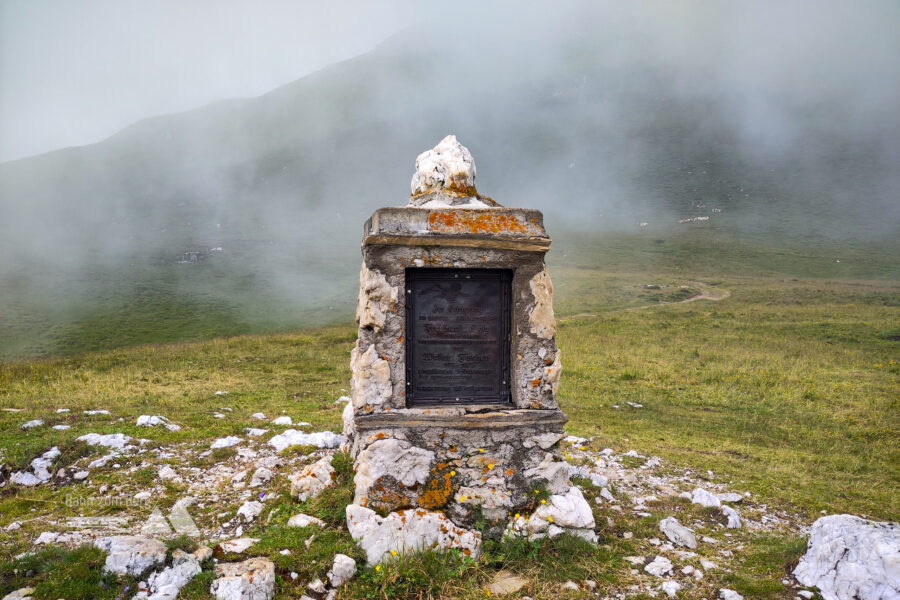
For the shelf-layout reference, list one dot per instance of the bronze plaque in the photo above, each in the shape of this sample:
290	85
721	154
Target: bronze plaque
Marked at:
457	336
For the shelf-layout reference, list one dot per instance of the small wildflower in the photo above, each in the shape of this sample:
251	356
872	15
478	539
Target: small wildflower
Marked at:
517	516
462	498
393	553
490	465
452	473
550	518
377	567
481	449
543	502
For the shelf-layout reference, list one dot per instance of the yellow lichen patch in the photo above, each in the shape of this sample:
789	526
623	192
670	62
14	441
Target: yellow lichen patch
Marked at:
438	489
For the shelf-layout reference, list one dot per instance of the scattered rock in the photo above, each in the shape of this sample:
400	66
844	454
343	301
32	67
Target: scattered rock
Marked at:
704	498
225	442
407	531
167	473
730	497
40	469
252	579
260	476
61	427
670	588
302	520
505	582
570	585
154	420
47	537
255	432
283	421
677	533
343	570
320	439
726	594
166	584
659	566
236	546
849	557
310	482
259	416
110	440
14	526
734	520
20	594
81	475
131	554
101	411
250	510
34	423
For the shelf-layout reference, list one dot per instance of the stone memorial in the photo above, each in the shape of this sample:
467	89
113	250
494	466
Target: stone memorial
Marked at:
455	373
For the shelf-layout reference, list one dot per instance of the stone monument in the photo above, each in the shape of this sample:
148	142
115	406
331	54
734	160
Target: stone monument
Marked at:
455	372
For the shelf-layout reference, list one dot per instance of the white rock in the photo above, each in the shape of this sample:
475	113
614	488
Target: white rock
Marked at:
255	432
221	393
167	473
726	594
407	531
225	442
370	380
260	476
343	570
302	520
40	468
34	423
283	421
259	415
81	475
659	566
110	440
449	166
708	564
218	416
154	420
677	533
20	594
409	464
250	510
806	594
605	493
570	585
14	526
131	554
237	545
570	511
704	498
253	579
47	537
101	411
342	399
62	427
62	410
310	482
285	552
849	557
734	520
292	437
670	588
166	584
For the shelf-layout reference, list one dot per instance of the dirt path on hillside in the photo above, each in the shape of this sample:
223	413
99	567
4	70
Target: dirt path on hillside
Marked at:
707	292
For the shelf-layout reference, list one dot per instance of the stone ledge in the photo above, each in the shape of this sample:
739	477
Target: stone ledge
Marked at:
456	418
493	223
522	245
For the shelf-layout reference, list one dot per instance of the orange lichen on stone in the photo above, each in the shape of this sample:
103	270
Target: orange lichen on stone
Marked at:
476	221
535	382
438	489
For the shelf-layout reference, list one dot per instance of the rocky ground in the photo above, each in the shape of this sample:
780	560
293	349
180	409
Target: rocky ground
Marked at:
667	531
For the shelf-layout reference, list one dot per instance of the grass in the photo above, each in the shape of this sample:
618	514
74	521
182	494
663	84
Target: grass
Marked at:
787	389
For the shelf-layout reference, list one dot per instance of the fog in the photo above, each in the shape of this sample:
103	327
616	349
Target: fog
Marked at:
604	115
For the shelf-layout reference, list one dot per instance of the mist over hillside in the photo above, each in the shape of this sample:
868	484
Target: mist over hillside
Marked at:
782	119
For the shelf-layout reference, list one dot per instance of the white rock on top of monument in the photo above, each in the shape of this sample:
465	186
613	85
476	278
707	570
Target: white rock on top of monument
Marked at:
447	166
407	531
678	533
131	554
166	584
704	498
342	571
303	520
253	579
250	510
225	442
154	420
734	519
849	557
109	440
293	437
407	463
659	566
314	478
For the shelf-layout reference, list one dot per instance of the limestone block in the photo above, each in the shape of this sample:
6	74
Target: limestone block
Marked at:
310	482
678	533
407	531
542	320
343	570
131	554
370	382
851	558
376	297
555	473
166	584
544	441
569	510
494	502
405	463
448	167
552	373
252	579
